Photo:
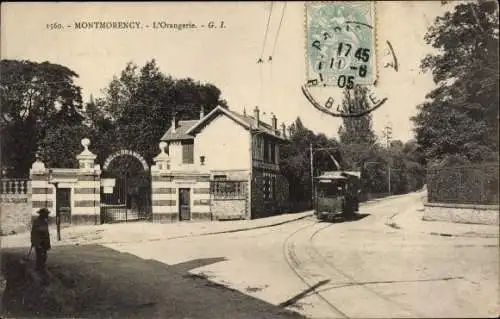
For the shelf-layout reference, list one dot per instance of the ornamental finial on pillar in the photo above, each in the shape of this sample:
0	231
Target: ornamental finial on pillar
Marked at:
162	160
86	158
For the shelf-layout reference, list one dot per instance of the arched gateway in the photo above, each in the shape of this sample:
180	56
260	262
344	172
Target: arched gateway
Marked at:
125	187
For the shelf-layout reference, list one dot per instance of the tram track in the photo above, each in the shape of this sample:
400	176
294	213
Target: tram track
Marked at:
351	280
315	270
294	264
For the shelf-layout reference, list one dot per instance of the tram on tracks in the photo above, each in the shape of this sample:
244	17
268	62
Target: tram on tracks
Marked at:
336	194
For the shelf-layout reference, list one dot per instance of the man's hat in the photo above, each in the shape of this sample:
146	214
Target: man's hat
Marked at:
43	211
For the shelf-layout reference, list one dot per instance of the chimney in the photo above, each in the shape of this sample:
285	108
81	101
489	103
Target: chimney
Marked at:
173	123
256	116
202	112
283	129
274	122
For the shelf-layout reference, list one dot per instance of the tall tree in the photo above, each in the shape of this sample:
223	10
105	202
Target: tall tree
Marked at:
138	106
35	97
356	133
356	130
461	116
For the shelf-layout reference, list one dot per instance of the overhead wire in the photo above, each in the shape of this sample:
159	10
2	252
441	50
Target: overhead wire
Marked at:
270	59
278	32
260	60
267	31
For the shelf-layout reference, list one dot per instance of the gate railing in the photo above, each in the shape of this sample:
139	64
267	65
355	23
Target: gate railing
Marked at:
463	184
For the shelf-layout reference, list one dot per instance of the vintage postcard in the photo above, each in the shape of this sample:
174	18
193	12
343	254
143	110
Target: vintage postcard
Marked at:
318	159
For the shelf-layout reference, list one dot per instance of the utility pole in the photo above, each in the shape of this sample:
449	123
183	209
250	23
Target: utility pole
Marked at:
389	177
312	173
388	134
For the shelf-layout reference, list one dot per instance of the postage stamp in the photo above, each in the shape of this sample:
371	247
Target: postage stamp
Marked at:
340	43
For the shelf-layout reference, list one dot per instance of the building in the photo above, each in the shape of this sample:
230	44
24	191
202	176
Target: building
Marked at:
223	165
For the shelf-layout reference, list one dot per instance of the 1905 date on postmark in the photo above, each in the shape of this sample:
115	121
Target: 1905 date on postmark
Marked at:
340	44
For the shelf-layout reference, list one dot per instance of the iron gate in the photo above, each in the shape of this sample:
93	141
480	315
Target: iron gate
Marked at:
130	197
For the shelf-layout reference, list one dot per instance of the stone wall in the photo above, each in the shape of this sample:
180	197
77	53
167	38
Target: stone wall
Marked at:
15	214
462	213
265	208
283	193
229	209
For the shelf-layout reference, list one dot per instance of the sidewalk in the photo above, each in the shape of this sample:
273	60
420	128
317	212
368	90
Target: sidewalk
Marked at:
411	220
146	231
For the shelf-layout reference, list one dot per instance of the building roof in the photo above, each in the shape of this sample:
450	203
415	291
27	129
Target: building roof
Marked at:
263	126
188	129
180	131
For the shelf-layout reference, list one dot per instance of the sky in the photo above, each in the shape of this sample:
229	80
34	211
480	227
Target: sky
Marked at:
226	57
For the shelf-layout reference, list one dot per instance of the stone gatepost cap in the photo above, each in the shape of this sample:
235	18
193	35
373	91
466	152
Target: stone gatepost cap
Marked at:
86	154
162	157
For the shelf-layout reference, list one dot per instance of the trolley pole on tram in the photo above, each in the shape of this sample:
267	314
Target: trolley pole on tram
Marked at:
311	156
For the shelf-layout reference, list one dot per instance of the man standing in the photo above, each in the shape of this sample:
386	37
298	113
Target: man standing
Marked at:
40	238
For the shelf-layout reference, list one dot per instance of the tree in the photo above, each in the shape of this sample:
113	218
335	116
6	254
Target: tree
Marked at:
296	159
356	134
34	97
461	114
356	130
138	106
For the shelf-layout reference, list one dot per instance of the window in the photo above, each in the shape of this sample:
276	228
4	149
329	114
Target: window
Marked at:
228	190
331	189
269	186
273	188
273	153
188	152
266	151
265	188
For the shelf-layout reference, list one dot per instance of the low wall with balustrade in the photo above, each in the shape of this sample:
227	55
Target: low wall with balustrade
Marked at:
15	206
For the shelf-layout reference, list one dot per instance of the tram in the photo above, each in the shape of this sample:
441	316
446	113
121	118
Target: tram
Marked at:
336	194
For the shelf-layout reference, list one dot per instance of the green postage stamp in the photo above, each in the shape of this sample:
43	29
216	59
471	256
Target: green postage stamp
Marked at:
340	44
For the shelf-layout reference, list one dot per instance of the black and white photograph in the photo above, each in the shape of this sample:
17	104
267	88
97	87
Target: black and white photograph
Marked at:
266	159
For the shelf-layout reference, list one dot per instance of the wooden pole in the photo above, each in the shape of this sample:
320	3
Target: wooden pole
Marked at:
311	154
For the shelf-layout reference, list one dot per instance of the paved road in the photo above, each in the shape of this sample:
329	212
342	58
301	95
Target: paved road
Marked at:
97	282
355	269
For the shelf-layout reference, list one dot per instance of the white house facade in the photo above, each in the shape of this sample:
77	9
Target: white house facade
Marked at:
223	165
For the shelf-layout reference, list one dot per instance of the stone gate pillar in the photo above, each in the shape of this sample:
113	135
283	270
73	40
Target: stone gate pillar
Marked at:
163	191
87	192
42	192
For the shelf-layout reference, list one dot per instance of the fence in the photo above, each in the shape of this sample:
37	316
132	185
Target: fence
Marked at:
13	186
463	184
228	190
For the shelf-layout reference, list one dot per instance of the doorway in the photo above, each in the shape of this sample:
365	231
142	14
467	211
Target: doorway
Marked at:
184	204
63	203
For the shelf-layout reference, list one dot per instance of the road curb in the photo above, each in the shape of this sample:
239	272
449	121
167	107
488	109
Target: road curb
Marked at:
256	227
479	235
198	234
